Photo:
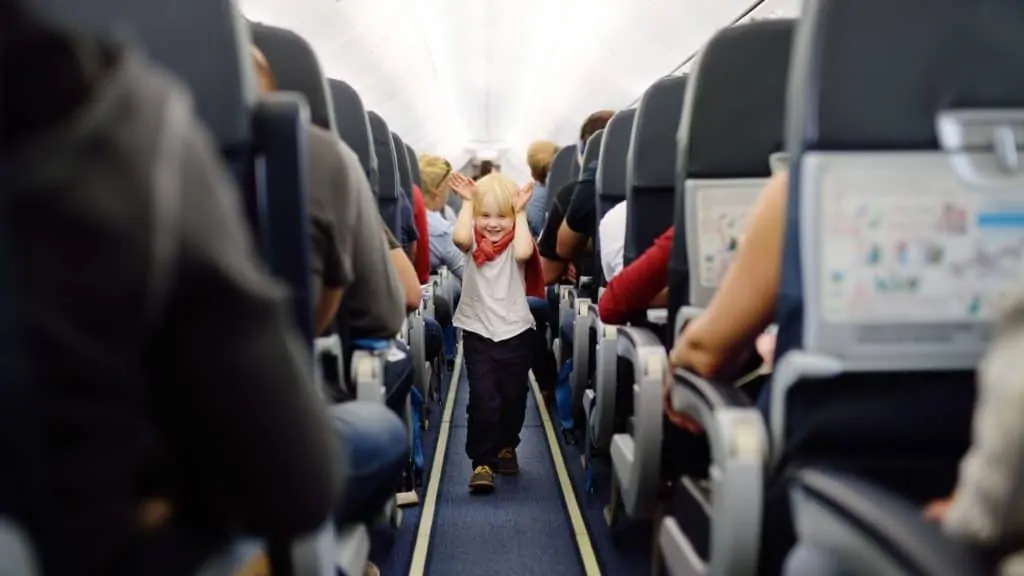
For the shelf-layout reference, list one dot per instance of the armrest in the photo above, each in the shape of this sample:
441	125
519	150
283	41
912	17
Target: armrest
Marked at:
684	315
870	530
368	359
657	316
636	458
739	453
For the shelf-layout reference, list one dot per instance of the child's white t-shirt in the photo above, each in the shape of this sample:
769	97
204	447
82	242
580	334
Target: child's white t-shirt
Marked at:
493	302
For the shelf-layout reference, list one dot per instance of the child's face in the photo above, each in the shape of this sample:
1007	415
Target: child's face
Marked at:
491	222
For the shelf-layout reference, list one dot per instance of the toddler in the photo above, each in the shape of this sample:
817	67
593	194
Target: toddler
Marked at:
502	269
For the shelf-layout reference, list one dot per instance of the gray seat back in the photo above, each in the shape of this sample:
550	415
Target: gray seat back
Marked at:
414	165
354	127
732	123
650	166
404	169
564	167
387	162
296	69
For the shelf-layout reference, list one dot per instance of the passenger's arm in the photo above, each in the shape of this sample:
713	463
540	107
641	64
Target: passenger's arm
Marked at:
327	274
580	217
717	340
552	264
465	188
245	413
442	245
990	491
406	272
638	285
375	300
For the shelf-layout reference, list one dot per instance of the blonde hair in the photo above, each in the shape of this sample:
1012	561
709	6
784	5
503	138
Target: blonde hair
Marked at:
539	156
499	187
434	170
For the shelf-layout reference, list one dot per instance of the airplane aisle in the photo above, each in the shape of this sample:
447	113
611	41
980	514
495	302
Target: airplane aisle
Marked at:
522	528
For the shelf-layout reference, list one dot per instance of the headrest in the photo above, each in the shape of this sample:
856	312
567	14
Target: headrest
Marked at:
652	147
402	157
735	103
857	83
611	168
354	125
384	148
592	150
560	173
204	42
296	69
414	165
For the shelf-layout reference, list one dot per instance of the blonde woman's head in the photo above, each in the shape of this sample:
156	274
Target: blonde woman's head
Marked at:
434	172
494	210
539	156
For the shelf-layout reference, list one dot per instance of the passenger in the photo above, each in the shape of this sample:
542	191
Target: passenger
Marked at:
577	227
376	436
435	171
174	375
559	269
612	232
719	342
539	156
409	235
495	319
986	510
641	285
421	259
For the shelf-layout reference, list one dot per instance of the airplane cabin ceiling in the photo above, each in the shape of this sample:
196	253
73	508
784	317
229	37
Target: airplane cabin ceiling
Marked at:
458	77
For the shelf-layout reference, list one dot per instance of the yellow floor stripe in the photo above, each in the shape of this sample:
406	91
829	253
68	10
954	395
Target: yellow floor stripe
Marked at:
419	555
579	528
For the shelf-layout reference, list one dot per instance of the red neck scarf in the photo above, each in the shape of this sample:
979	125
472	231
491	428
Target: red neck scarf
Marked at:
487	251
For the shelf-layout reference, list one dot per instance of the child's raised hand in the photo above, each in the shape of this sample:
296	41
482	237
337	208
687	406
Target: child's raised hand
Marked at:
522	197
463	186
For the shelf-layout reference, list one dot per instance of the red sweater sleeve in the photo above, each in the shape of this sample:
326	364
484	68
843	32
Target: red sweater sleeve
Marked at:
419	217
637	284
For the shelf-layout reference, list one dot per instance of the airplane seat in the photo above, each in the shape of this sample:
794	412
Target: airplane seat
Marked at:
414	334
574	307
731	124
850	527
875	372
17	554
641	356
387	165
561	172
599	403
366	373
262	140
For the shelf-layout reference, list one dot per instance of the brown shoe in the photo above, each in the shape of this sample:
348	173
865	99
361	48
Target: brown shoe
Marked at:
482	481
508	462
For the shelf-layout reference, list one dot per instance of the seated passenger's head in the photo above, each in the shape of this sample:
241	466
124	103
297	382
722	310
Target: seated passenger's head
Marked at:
434	172
539	156
264	74
596	121
494	210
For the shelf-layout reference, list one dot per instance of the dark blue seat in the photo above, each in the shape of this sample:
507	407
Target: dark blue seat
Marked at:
564	169
600	403
732	123
404	168
389	186
354	127
636	453
414	165
263	141
904	116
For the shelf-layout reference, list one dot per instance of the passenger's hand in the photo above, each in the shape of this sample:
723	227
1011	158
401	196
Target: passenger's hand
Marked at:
936	510
570	273
463	186
678	420
522	198
766	348
676	355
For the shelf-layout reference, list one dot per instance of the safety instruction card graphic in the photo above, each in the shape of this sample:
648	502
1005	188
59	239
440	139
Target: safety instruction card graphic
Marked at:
723	217
930	256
